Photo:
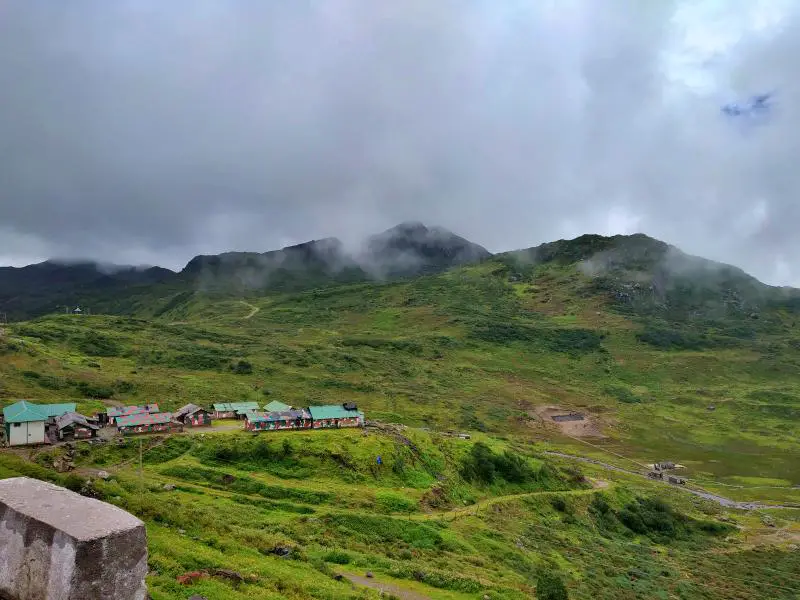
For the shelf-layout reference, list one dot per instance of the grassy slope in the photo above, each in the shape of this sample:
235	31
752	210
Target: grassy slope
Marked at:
468	349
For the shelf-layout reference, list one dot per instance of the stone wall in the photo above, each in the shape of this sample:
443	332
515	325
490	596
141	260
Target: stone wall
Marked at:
57	545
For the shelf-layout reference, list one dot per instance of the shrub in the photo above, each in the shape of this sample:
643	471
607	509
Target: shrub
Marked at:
622	394
392	503
484	466
337	557
242	367
94	344
550	586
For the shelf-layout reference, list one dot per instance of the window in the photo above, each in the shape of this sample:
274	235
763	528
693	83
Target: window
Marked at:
17	424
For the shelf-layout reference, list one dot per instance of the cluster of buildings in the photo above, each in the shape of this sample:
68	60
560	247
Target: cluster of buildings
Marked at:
26	423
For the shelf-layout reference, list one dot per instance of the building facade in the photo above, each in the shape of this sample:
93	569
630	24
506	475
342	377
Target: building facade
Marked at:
26	422
233	410
192	415
148	423
335	415
287	419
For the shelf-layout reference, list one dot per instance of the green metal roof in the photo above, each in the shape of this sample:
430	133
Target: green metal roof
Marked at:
333	411
276	406
56	410
25	412
235	406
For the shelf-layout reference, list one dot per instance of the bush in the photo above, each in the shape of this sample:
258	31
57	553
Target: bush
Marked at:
94	344
573	341
672	339
622	394
550	586
94	390
242	367
338	557
484	466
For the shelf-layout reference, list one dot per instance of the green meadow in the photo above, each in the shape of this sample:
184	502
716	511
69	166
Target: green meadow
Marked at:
478	349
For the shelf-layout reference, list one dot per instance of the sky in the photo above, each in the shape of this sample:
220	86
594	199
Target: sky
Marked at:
147	132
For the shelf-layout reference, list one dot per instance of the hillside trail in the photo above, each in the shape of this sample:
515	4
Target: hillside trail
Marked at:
721	500
253	309
472	510
383	587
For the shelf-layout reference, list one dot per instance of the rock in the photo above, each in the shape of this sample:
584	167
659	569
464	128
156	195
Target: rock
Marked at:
282	550
486	597
338	577
228	574
228	479
191	577
369	574
58	544
103	475
168	487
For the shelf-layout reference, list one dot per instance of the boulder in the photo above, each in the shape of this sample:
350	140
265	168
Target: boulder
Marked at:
59	545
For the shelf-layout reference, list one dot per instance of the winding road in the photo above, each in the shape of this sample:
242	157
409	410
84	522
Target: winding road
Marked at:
253	309
721	500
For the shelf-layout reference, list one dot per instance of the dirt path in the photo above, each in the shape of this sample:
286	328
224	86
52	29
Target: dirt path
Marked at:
253	309
389	588
721	500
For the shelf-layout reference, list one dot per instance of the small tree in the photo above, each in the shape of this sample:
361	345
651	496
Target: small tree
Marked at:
550	586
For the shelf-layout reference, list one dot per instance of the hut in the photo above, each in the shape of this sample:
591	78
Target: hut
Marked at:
277	406
74	426
26	422
233	410
336	415
148	423
192	415
284	419
116	412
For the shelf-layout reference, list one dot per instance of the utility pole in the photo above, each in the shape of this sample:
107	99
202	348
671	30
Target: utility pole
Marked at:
141	476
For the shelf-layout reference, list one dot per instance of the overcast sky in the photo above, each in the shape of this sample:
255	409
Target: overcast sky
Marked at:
144	131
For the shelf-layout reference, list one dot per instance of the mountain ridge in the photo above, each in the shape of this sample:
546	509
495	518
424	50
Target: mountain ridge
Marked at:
639	273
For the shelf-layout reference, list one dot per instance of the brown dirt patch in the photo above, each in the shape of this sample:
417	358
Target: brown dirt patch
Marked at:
587	426
384	587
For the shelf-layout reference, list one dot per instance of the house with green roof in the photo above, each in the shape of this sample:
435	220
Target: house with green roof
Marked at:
276	406
25	422
336	415
233	410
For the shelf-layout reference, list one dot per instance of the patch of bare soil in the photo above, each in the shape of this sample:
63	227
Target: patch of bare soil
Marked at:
599	484
578	424
387	588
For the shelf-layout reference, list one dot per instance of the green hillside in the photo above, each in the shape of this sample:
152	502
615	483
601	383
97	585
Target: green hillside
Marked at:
668	357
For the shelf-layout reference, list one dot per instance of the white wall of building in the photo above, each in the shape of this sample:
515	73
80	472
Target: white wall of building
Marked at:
31	432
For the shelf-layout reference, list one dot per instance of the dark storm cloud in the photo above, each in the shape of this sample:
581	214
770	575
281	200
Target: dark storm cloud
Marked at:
144	131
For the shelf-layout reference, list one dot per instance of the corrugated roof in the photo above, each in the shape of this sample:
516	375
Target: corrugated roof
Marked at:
24	411
333	411
189	409
234	406
123	411
274	416
56	410
276	406
144	419
73	418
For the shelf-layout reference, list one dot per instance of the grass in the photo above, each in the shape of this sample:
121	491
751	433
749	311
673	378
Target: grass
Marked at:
472	349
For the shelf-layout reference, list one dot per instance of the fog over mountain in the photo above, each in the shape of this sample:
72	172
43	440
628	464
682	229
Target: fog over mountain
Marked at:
150	132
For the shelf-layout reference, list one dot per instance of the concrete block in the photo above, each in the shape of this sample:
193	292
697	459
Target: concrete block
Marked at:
58	545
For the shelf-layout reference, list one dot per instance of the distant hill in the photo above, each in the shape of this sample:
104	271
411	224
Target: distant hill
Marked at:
54	286
406	250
